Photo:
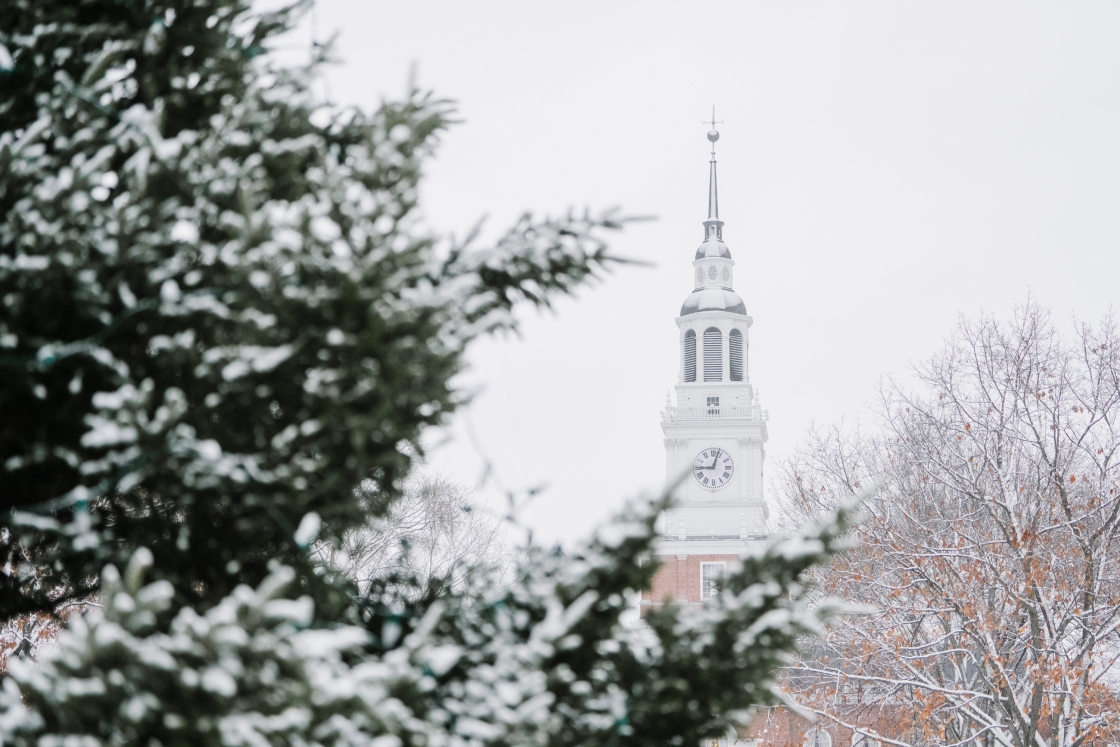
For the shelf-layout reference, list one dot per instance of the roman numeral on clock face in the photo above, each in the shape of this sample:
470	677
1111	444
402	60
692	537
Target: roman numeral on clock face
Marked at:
713	468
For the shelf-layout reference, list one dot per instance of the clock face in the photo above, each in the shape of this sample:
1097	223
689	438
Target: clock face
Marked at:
713	468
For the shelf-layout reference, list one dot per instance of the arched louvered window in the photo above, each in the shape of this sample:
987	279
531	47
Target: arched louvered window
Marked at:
690	356
713	355
735	354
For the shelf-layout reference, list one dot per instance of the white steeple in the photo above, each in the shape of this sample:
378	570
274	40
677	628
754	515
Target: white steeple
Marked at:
717	428
715	432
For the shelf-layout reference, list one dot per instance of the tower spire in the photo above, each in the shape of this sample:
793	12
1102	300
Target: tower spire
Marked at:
713	224
713	192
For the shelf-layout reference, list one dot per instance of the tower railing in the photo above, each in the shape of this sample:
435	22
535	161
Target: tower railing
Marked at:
713	413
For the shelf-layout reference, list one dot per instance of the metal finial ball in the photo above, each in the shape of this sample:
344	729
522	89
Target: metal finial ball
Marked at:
713	135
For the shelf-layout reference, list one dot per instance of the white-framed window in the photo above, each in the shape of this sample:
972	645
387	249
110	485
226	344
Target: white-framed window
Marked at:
713	401
709	579
817	737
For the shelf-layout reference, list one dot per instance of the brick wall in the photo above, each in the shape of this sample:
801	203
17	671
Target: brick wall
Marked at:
679	577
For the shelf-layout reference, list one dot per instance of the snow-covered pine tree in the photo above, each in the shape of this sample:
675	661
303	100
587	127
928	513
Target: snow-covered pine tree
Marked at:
219	316
545	663
219	311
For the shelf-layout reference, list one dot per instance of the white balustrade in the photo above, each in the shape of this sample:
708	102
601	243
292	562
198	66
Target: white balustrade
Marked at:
712	413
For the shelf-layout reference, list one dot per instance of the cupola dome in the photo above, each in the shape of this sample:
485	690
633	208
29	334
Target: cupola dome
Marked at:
713	299
713	248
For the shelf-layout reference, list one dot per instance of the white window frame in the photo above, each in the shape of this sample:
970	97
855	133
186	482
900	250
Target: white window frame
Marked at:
826	741
705	593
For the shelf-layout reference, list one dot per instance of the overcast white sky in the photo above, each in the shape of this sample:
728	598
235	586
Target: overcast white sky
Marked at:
884	168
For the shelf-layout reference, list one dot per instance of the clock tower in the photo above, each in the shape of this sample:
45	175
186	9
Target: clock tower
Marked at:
715	433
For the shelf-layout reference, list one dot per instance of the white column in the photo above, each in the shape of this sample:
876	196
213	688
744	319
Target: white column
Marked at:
761	465
756	449
744	475
700	354
683	463
670	459
680	355
725	344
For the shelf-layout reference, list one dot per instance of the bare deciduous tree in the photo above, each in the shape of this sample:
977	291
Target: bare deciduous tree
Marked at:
989	545
433	532
24	636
